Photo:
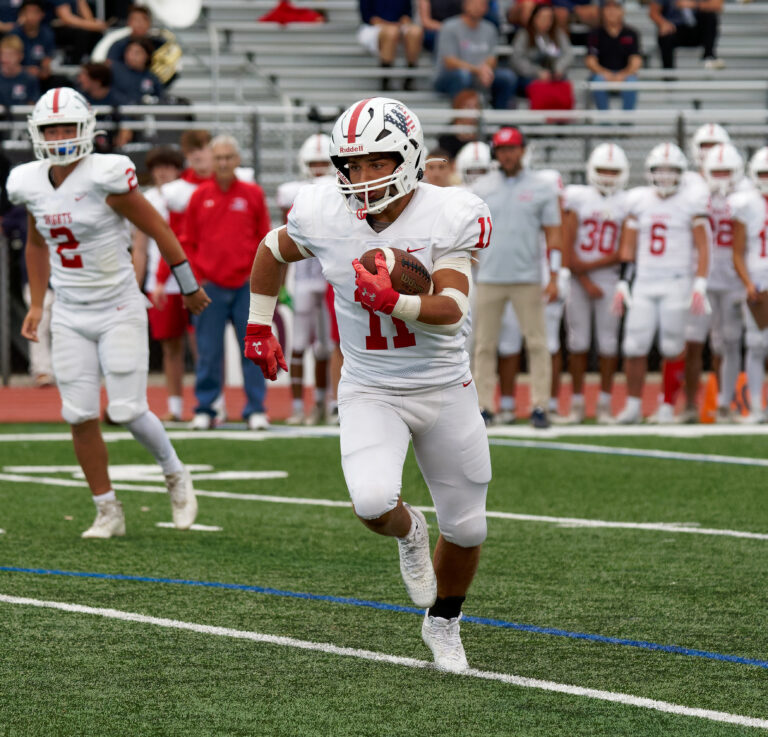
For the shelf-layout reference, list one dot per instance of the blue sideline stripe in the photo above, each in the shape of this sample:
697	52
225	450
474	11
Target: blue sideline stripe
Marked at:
673	649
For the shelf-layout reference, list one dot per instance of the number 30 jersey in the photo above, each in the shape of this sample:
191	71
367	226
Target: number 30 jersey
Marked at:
88	242
381	351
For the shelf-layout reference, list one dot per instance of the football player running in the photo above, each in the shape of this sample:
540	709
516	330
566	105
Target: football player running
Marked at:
594	214
78	203
666	227
406	373
750	258
311	320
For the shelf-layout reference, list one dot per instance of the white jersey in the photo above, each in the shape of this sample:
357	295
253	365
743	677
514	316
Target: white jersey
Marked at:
600	219
155	198
88	241
722	274
380	351
751	208
665	248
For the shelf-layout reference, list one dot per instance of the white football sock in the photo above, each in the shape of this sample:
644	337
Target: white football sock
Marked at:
633	403
110	496
507	404
577	400
604	399
149	431
729	371
755	378
298	406
175	405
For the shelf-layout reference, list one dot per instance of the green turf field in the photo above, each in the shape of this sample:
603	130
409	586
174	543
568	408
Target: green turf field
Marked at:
547	596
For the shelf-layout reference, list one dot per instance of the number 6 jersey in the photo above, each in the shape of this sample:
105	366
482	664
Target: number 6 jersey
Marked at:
381	351
88	242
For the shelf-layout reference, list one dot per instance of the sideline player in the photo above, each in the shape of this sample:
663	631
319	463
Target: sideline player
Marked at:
406	373
592	224
750	258
311	318
666	227
78	203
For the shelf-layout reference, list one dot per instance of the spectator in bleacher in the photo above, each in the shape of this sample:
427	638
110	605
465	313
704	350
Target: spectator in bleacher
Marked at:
94	81
582	11
467	99
132	77
139	21
432	13
76	29
39	44
466	56
386	23
9	10
519	11
688	23
542	50
439	168
17	87
613	54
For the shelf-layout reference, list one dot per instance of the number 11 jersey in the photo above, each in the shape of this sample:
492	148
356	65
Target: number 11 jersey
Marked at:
88	242
381	351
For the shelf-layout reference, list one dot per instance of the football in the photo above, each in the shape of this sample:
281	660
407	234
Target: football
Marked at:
408	274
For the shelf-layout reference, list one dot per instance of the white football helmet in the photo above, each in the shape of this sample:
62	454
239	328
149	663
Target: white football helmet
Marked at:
377	125
723	168
62	106
758	169
664	167
473	160
608	157
704	138
315	150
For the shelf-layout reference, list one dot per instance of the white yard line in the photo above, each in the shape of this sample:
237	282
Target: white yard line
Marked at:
670	527
329	649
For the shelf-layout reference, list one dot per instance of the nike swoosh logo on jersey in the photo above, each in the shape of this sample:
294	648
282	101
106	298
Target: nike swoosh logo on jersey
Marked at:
122	307
466	383
412	250
80	197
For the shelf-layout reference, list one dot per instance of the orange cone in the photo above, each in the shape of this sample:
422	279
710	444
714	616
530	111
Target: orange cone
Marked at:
740	402
708	413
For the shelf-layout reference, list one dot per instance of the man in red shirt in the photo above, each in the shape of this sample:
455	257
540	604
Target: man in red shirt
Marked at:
225	221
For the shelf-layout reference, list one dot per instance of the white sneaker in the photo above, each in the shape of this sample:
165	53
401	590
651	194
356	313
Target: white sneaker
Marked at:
664	415
316	416
505	417
443	639
689	416
753	418
295	419
628	416
201	421
183	499
258	421
333	417
220	408
109	522
714	62
416	563
603	414
724	416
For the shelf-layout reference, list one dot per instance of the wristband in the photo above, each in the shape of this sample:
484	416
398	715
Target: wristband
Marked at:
407	307
555	260
262	308
185	278
700	285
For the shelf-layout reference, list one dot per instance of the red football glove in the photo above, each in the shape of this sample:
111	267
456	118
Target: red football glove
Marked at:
375	291
264	350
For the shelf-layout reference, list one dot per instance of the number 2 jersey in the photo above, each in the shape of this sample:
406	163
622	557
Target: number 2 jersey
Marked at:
88	242
381	351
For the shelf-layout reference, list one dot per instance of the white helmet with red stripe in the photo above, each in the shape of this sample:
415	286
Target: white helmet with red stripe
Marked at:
608	168
758	169
315	150
373	126
62	106
723	168
704	138
473	160
664	168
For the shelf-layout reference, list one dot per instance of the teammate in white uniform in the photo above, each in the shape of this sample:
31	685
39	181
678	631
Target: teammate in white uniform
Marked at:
750	257
311	321
594	216
78	206
665	229
406	373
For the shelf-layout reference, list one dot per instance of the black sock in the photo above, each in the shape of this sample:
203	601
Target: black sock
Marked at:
447	608
385	81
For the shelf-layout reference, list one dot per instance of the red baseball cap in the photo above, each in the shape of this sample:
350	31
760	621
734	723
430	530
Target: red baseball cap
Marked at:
508	137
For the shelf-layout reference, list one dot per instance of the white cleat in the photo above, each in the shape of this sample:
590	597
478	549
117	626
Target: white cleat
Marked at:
416	563
603	414
753	418
297	418
724	416
201	421
505	417
443	639
628	416
664	415
183	499
316	416
109	522
258	421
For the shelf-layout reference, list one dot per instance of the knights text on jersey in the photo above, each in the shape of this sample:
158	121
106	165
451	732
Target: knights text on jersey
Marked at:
381	351
665	248
751	209
88	242
600	220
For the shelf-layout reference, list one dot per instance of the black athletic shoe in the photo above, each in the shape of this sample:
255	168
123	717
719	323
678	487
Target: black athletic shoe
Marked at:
539	419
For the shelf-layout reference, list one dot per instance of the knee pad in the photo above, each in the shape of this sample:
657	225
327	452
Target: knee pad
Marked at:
375	500
123	412
77	415
632	347
467	533
577	343
553	343
321	351
671	345
607	347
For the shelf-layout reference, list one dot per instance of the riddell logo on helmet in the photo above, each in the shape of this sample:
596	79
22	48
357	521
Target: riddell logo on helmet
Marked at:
351	149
